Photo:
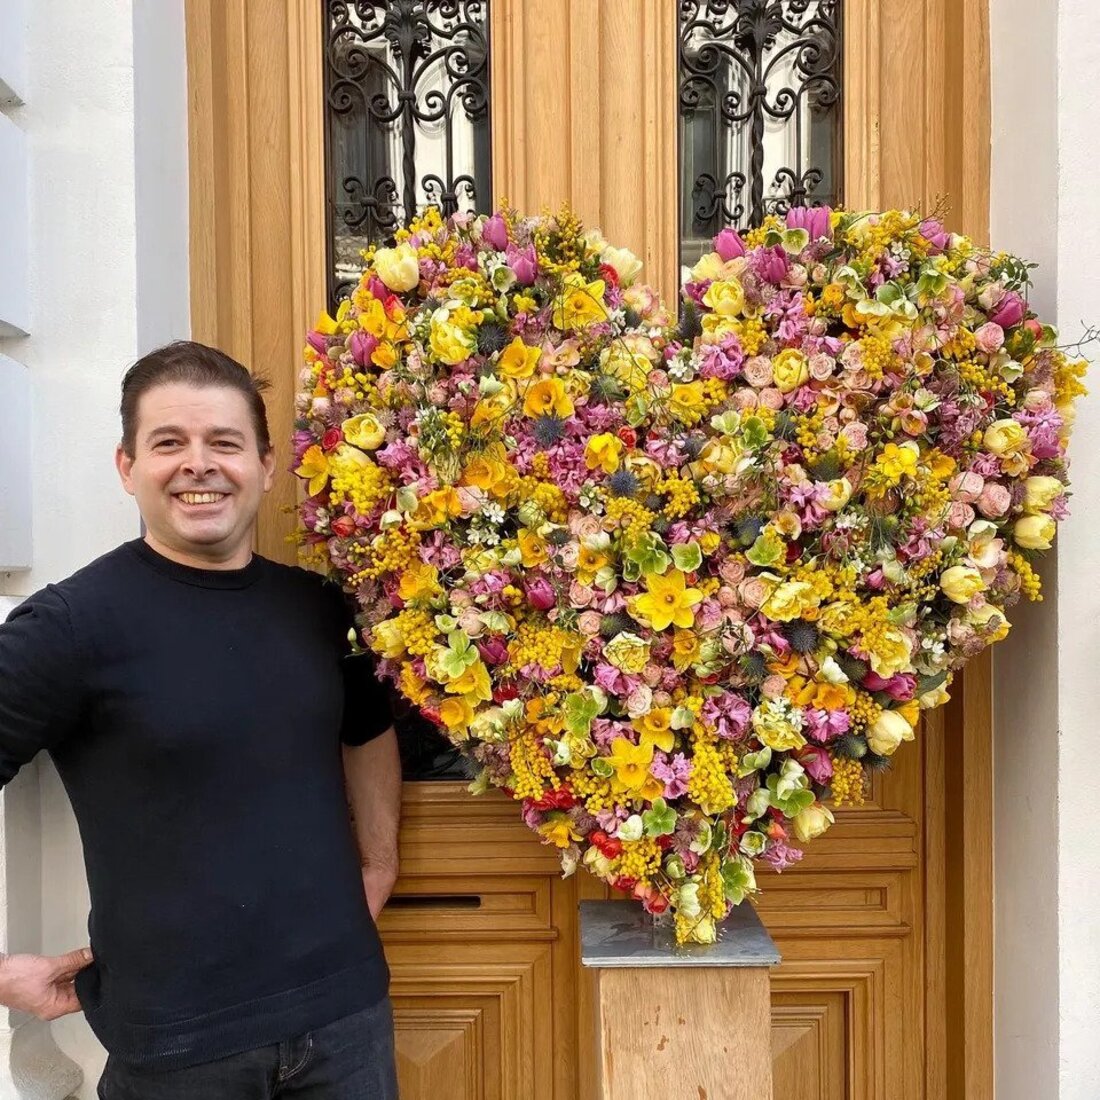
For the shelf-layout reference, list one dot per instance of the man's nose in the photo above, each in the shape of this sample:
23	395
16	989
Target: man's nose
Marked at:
198	461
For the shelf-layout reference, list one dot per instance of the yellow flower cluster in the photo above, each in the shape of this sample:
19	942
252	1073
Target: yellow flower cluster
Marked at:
709	786
595	792
1030	584
712	894
847	781
808	427
752	334
863	711
977	377
1067	380
632	518
961	346
560	244
683	497
364	484
877	355
417	629
545	646
638	859
391	551
532	768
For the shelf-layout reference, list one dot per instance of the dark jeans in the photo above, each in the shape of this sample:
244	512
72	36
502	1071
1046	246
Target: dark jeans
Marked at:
352	1059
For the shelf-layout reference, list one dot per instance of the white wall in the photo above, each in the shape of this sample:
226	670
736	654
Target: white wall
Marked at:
105	127
1044	205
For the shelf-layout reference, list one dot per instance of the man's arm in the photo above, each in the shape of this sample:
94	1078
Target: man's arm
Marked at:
41	694
373	775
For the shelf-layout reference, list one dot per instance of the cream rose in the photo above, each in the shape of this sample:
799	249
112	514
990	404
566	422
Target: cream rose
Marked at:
398	267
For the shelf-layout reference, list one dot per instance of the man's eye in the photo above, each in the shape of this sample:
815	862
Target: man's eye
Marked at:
165	443
227	445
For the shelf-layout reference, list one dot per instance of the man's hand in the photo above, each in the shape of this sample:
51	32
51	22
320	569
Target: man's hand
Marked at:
378	881
40	984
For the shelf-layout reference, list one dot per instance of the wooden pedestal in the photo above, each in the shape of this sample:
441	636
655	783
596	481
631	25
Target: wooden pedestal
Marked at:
690	1023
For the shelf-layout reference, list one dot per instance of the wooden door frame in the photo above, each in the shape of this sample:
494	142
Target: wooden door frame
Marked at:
257	279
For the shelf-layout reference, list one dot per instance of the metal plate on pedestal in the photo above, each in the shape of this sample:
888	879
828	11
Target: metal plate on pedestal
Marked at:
622	933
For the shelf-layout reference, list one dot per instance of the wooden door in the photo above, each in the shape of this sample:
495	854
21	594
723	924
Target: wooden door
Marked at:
885	990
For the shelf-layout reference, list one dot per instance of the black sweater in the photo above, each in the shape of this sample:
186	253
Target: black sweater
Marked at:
195	717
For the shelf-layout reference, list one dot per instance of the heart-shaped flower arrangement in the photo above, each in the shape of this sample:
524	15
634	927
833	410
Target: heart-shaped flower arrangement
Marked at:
674	585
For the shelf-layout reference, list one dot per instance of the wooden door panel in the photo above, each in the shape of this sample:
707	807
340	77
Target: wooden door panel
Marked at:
472	1020
809	1045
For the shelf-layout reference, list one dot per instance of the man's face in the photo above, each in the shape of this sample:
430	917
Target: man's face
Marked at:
197	473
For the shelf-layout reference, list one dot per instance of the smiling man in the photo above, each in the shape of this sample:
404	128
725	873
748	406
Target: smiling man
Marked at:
210	727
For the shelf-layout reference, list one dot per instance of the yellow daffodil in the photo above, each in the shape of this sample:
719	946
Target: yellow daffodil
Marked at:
579	304
456	713
686	402
518	360
314	465
631	763
418	580
547	398
532	548
667	601
473	685
559	830
603	452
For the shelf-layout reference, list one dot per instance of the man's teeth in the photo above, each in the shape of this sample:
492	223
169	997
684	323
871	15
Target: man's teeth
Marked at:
201	498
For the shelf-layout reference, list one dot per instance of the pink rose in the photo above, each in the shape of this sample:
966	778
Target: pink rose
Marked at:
732	570
728	244
744	400
494	651
1009	310
588	622
771	398
773	686
471	623
821	367
960	515
753	592
994	501
583	524
855	435
580	595
990	338
758	371
967	486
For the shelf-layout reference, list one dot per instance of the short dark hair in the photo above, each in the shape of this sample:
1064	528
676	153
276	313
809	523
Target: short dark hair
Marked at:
194	364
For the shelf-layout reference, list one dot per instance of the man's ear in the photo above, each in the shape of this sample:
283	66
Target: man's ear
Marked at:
124	463
269	469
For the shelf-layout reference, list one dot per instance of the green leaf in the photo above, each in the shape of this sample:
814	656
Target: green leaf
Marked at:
768	549
579	709
738	879
659	819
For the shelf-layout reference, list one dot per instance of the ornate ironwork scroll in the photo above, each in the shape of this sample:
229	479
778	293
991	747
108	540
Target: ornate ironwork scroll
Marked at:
406	118
760	110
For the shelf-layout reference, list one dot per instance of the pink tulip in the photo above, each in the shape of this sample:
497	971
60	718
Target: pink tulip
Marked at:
814	219
495	232
318	341
932	230
728	244
540	594
362	345
494	651
523	263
